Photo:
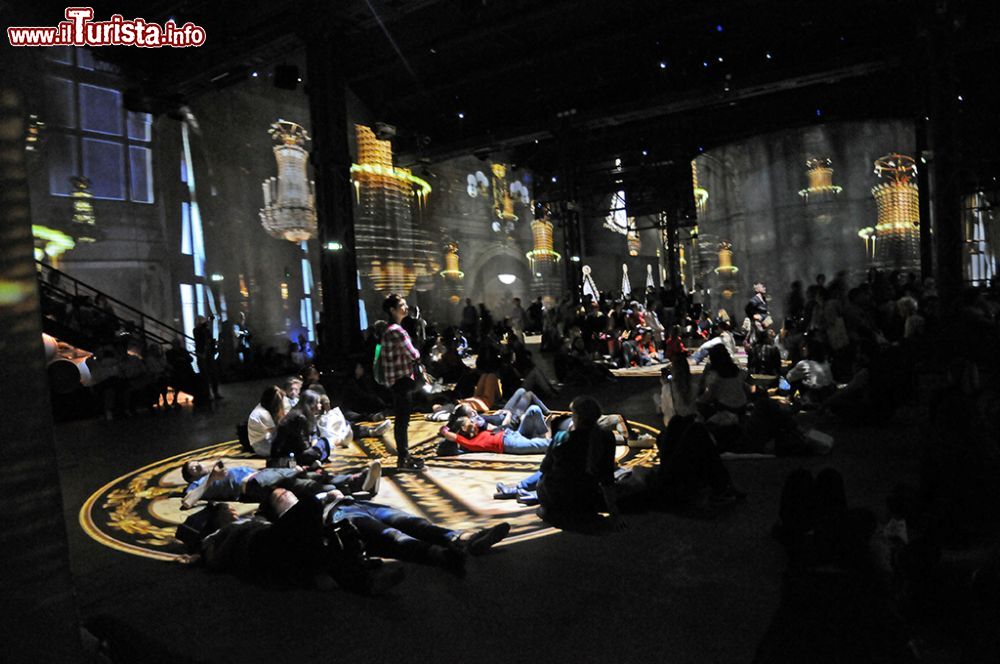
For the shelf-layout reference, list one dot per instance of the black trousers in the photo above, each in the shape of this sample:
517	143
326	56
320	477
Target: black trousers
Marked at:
402	404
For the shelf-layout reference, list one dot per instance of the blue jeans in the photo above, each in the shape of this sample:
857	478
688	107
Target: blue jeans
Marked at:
514	442
533	423
521	400
530	483
392	533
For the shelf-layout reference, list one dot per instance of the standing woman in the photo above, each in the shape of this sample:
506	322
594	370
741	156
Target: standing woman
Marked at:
399	359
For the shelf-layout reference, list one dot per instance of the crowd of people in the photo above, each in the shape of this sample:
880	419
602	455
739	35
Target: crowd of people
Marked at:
764	382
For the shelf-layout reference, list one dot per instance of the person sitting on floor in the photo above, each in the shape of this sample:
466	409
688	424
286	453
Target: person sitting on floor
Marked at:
764	356
262	423
578	472
724	338
725	391
298	434
689	462
251	485
812	375
293	386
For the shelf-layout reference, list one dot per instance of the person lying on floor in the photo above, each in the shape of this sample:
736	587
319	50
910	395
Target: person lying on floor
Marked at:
531	437
476	410
251	485
392	533
284	542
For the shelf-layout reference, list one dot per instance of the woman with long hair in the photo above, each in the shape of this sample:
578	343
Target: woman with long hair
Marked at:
263	421
399	362
298	434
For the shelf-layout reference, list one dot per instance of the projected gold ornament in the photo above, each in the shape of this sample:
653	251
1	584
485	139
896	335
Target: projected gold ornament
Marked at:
289	211
504	195
897	200
726	270
84	222
700	193
632	242
451	271
820	174
542	251
393	248
726	259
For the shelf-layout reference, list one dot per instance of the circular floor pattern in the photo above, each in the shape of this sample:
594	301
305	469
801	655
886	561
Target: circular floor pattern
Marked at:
139	512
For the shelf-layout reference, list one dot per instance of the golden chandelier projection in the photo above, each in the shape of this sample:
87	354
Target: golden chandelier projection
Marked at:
895	239
451	264
542	251
504	195
700	193
726	270
289	211
820	173
393	248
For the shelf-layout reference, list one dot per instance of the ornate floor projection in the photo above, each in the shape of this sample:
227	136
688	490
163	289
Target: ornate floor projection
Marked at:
138	512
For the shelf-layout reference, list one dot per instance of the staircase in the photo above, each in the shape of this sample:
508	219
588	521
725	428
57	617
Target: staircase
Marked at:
84	320
70	313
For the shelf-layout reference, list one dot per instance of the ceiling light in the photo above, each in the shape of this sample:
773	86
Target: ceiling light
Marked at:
333	246
461	115
506	279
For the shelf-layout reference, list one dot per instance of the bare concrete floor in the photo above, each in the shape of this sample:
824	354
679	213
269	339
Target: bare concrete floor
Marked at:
667	589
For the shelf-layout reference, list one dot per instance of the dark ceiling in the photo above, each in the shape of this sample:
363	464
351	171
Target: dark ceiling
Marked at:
574	84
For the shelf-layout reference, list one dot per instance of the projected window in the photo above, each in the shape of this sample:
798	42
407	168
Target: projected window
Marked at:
104	166
100	110
94	136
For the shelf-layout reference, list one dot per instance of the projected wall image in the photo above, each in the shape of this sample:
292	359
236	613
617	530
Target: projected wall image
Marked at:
790	205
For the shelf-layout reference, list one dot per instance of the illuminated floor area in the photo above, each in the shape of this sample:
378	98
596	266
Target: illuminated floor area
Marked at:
669	588
139	512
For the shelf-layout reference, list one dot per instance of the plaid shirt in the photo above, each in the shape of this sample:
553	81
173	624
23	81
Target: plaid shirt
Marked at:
398	354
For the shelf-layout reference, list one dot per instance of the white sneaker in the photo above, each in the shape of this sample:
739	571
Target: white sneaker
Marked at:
373	478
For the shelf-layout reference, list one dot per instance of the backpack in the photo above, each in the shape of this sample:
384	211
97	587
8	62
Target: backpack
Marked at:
378	372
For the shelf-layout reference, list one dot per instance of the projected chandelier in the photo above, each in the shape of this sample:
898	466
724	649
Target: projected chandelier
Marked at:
895	239
504	195
289	211
393	248
820	173
542	252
